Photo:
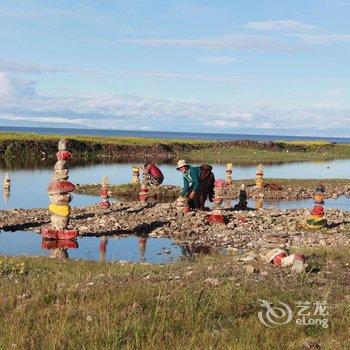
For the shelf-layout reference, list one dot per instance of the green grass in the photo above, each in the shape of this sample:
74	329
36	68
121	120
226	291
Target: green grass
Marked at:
48	304
248	155
122	140
192	150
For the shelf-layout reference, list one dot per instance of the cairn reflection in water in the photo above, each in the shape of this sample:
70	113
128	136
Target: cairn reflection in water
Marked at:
59	247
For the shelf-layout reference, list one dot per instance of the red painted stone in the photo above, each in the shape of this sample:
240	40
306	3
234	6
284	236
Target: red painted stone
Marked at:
187	209
277	260
104	205
103	246
61	187
51	233
104	191
300	257
61	243
317	210
63	155
215	219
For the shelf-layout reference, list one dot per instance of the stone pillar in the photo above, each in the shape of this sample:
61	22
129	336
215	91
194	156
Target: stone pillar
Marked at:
229	180
135	180
259	201
143	195
259	181
216	210
60	197
104	194
316	220
181	204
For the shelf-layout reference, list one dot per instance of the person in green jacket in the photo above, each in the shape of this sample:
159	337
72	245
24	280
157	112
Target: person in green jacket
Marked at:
197	185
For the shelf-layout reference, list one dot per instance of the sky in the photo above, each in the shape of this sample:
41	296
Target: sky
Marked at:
256	67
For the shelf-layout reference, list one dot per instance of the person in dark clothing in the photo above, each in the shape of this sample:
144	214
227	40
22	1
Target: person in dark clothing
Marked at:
198	183
152	174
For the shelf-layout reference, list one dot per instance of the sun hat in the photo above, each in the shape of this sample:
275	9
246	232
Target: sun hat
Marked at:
181	163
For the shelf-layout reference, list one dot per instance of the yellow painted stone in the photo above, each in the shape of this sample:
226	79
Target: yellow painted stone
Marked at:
60	210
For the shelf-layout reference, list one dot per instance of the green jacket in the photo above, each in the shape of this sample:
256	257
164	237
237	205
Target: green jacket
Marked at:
191	179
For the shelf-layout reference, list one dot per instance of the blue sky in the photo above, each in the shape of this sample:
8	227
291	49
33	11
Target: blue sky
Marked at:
264	67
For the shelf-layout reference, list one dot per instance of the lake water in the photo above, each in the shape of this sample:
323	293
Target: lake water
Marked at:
131	248
29	186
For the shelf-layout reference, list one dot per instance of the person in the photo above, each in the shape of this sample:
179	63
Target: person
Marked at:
152	174
198	183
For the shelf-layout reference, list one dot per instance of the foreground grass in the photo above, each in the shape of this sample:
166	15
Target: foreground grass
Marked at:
48	304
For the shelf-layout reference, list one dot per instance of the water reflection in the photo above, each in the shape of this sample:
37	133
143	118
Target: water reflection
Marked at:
59	248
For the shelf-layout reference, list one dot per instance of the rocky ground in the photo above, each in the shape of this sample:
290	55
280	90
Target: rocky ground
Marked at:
252	230
275	189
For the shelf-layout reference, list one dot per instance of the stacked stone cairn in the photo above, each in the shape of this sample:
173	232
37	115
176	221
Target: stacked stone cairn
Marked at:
7	183
259	180
135	180
181	204
242	199
143	194
259	201
60	197
228	180
316	220
216	215
104	194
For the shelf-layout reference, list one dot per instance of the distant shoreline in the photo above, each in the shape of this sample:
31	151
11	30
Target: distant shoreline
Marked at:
166	134
17	147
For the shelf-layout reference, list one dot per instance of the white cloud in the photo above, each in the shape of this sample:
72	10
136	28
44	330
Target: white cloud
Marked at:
13	88
205	77
227	42
323	39
21	105
281	25
218	60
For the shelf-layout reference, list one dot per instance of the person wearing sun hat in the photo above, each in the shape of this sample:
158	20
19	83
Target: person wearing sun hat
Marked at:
196	186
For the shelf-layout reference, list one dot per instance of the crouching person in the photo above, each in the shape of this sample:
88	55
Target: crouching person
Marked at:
152	174
198	183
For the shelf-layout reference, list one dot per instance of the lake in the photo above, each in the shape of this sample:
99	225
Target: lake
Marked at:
29	186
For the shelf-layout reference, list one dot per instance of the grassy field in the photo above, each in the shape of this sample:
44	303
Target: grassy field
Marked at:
248	155
209	304
14	144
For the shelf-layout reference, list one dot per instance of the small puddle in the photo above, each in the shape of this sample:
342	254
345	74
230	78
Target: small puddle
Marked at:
106	249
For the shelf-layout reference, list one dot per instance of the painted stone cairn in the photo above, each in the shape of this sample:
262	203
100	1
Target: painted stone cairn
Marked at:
259	201
104	193
135	180
242	199
143	194
60	197
7	183
316	220
228	180
216	215
181	204
259	180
